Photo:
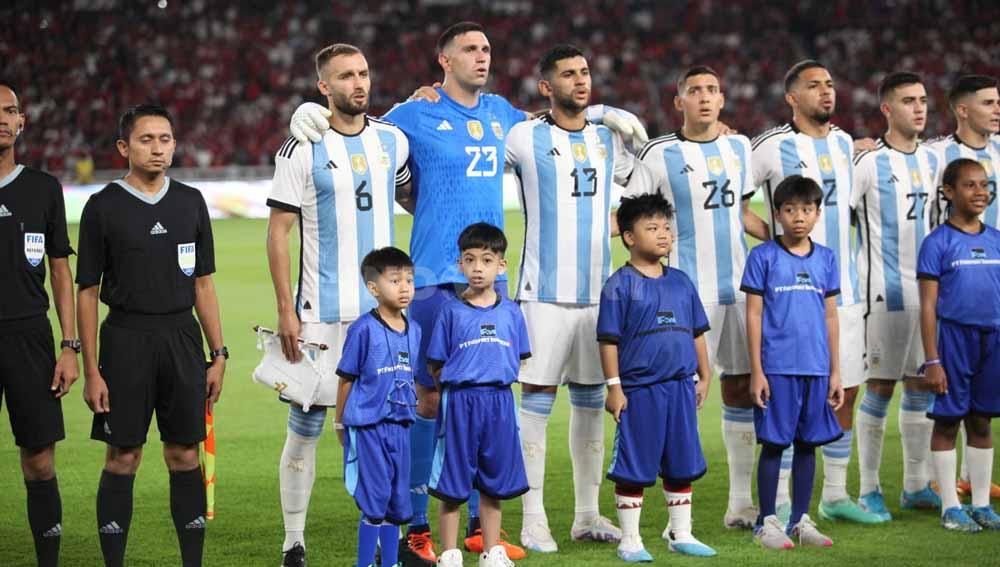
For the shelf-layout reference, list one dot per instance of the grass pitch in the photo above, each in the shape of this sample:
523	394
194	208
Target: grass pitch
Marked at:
250	425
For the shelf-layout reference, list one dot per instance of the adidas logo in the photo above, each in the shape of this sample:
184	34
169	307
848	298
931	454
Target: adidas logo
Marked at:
54	531
554	152
422	489
331	165
444	126
157	229
5	212
894	179
110	529
802	165
196	524
687	169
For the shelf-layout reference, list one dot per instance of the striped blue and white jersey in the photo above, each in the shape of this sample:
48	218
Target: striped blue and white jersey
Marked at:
893	194
707	183
565	185
784	151
343	189
950	148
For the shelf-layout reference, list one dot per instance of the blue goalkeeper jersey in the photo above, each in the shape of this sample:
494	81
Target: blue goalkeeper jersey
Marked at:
457	162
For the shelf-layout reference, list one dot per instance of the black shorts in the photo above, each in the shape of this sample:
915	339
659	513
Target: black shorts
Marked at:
27	365
151	362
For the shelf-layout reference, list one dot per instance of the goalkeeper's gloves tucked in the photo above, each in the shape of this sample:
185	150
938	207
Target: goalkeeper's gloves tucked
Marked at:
309	122
622	121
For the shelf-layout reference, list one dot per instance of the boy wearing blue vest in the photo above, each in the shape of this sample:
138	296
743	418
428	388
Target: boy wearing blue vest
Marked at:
375	405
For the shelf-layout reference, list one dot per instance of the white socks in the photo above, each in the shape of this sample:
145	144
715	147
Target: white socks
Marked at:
869	428
296	473
586	449
534	419
944	471
740	438
980	462
629	510
836	457
679	512
915	430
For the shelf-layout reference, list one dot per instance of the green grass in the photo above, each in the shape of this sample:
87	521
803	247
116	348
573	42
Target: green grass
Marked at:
251	429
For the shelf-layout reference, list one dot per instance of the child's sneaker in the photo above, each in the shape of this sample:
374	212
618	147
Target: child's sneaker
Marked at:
631	550
957	519
743	519
686	544
807	534
923	499
599	529
538	537
874	503
495	557
985	517
771	535
451	558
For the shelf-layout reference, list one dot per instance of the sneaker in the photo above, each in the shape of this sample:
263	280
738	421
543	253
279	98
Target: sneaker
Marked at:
874	503
964	489
808	535
784	512
451	558
686	544
923	499
474	544
294	557
985	517
538	537
771	534
634	552
419	549
957	519
847	510
599	529
743	519
496	557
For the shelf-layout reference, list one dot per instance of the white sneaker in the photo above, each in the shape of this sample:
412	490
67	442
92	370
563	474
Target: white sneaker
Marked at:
451	558
495	557
538	537
742	519
599	529
807	534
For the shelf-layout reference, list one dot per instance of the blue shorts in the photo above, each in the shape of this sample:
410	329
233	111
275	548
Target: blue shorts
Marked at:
377	471
478	445
424	310
970	357
658	435
797	412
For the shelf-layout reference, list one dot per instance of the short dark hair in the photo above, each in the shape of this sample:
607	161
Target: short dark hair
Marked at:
483	235
647	205
797	188
954	169
802	66
694	71
969	84
897	79
127	122
547	63
456	30
379	260
323	56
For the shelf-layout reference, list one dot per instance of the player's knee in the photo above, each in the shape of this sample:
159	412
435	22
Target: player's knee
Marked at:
977	429
123	460
588	397
180	457
307	424
944	431
38	464
883	388
736	391
536	389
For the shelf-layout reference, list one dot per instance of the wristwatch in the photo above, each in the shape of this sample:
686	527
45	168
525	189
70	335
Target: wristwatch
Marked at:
223	352
71	343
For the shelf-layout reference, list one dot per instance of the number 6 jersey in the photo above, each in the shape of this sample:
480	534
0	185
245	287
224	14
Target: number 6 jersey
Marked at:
565	182
343	188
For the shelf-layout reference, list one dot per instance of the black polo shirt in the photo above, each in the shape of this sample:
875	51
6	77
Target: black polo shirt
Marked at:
148	250
32	224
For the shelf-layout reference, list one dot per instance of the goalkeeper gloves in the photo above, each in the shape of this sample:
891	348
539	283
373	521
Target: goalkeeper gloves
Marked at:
622	121
309	122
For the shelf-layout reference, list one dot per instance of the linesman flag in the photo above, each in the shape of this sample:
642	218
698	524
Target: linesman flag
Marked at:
207	458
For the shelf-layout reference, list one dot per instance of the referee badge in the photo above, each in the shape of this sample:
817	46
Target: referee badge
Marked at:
825	163
186	258
715	165
34	247
359	164
497	129
475	129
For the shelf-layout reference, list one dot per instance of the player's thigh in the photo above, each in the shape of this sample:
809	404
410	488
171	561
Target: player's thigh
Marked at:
26	370
551	332
181	388
852	344
893	347
127	359
640	437
716	314
368	470
818	423
333	335
777	422
682	460
985	387
733	353
584	366
499	461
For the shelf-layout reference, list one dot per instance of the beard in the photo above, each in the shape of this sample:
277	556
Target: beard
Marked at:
821	117
349	107
569	104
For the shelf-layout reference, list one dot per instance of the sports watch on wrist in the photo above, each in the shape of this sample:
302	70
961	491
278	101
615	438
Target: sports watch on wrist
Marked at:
223	352
71	343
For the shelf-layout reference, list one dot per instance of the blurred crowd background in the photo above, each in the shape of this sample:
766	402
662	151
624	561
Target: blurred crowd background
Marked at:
233	72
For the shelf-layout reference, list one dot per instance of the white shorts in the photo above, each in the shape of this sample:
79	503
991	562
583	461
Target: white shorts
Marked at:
895	348
563	344
333	335
728	352
852	344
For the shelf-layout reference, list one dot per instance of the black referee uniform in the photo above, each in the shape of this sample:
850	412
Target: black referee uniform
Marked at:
145	252
32	224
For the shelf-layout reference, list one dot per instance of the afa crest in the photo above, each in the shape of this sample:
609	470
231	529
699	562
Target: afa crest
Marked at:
915	178
826	163
475	129
580	152
715	165
497	129
359	164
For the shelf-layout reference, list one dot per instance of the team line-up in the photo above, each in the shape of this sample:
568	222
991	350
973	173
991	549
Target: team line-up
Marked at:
880	263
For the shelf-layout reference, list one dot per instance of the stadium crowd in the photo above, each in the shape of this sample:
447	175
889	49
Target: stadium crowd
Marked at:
232	73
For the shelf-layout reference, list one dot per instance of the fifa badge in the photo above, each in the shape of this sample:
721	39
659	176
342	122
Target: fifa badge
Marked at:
34	247
186	258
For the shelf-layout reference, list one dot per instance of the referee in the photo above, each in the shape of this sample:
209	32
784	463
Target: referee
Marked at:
146	245
32	225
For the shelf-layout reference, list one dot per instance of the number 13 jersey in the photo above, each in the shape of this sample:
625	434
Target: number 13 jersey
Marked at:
565	187
343	189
